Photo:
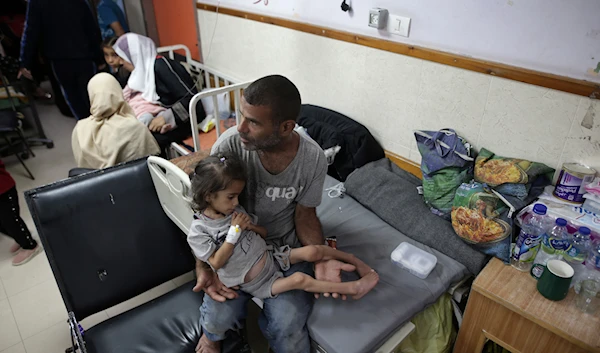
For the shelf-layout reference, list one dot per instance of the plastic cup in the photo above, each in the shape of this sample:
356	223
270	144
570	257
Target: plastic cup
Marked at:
587	299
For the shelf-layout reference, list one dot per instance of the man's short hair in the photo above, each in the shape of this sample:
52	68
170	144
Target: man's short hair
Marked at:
277	92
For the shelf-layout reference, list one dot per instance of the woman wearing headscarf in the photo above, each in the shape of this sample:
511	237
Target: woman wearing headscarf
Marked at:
160	80
111	134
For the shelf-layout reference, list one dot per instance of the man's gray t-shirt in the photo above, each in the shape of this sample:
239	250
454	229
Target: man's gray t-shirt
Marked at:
273	198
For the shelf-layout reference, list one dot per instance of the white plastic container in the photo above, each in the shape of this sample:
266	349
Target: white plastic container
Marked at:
416	261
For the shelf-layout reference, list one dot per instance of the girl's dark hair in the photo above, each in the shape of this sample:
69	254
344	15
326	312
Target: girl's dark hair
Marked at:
214	173
109	42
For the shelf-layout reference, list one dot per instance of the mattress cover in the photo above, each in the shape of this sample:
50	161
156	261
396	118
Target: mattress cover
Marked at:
363	325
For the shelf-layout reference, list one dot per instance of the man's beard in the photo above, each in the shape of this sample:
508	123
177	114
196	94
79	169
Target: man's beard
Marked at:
261	145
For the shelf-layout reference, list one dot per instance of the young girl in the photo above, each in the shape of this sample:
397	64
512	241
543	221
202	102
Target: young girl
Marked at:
113	60
144	111
232	243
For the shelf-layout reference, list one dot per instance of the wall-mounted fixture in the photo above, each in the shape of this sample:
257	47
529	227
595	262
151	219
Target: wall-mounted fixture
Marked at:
378	17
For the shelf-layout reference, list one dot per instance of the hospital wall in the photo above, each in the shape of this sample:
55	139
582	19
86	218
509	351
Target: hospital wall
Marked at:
392	94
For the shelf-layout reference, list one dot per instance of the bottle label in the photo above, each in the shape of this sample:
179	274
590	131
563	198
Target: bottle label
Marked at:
546	240
559	244
595	260
574	255
552	245
526	247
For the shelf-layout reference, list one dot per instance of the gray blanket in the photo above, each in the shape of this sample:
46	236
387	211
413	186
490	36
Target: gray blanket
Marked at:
385	189
363	325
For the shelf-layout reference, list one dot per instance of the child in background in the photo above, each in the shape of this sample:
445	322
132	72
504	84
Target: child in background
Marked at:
11	223
145	111
232	243
113	60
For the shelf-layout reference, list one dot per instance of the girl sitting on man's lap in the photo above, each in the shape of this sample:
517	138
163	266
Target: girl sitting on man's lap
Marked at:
232	243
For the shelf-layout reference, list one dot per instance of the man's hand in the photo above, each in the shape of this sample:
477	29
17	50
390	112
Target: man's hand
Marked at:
330	271
25	73
241	219
156	124
208	281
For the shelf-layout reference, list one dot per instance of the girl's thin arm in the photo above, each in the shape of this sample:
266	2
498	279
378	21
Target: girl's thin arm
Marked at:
221	256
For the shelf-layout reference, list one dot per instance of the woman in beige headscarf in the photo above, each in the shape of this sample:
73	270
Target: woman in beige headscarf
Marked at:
112	134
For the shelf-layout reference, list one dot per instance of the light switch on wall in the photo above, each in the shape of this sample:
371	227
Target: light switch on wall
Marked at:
398	25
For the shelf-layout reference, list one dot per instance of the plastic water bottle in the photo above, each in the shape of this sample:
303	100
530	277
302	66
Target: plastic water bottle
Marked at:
589	279
554	244
528	241
579	247
592	266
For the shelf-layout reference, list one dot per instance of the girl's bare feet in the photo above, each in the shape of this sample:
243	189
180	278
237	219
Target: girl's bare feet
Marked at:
207	346
365	284
363	269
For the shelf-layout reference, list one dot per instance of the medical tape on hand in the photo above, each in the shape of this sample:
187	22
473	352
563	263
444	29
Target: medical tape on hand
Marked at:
233	235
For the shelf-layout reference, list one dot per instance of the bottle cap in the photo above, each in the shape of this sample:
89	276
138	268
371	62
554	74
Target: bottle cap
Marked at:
561	222
540	209
584	230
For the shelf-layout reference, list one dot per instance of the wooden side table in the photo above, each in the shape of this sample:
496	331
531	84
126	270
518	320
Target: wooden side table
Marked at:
505	307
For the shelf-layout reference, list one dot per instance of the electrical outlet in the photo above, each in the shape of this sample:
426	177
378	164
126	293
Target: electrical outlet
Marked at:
378	18
398	25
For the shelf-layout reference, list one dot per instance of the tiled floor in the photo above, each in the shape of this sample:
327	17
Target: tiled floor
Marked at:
32	313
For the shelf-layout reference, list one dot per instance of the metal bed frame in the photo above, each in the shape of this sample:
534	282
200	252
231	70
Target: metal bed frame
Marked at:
215	83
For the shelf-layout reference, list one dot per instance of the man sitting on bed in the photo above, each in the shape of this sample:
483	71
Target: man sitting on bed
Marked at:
286	173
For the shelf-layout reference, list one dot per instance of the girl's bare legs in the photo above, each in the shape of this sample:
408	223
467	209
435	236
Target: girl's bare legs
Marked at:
314	253
302	281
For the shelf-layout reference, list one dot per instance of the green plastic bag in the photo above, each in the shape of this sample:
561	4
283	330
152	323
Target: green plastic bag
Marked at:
434	330
439	189
446	163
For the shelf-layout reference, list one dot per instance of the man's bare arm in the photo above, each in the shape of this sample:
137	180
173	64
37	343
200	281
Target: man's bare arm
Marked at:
201	266
308	226
309	232
208	281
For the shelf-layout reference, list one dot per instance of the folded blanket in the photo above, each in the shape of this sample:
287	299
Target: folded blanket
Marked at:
391	193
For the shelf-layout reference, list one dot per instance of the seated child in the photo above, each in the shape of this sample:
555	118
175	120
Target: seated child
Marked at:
145	111
114	62
232	243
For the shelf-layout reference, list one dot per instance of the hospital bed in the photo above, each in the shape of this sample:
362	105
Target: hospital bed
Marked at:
380	321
